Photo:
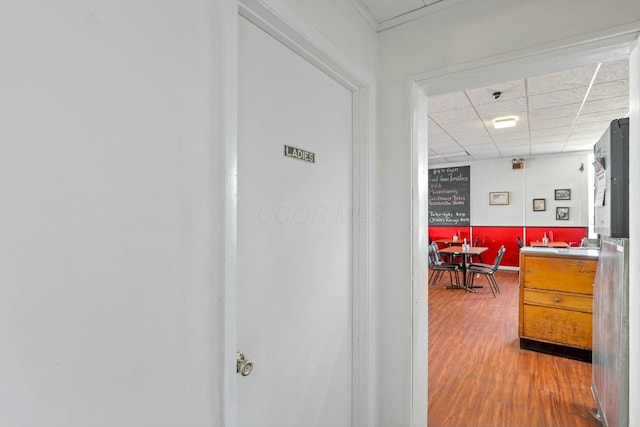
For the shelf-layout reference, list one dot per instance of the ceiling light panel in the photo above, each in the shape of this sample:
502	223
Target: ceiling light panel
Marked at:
520	130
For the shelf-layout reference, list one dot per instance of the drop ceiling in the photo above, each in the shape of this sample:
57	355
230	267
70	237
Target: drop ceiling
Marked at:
561	112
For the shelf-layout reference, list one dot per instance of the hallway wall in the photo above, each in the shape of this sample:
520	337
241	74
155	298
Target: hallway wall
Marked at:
108	221
118	142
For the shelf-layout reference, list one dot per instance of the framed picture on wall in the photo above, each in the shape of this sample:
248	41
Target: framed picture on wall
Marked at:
562	213
539	205
499	198
563	194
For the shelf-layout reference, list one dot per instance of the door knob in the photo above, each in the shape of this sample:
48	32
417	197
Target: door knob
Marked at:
244	366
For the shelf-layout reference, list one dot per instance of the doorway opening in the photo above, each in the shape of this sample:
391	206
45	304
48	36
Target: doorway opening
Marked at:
474	75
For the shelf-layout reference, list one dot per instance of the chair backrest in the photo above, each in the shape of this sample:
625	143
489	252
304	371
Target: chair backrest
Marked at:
475	241
434	254
498	260
520	242
484	241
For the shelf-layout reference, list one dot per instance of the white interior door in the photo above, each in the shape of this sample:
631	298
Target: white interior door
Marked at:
294	239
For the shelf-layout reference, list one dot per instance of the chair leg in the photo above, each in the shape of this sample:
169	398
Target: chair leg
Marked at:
491	284
495	284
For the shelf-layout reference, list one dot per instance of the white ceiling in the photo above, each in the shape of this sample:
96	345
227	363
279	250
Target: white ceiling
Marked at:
385	14
559	112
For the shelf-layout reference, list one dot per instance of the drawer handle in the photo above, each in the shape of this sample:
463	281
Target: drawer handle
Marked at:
556	300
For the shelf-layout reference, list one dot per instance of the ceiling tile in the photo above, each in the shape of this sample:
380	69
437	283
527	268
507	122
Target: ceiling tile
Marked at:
537	133
569	110
446	102
557	98
453	116
515	150
517	107
555	139
512	141
608	90
552	123
522	128
562	80
466	130
614	70
509	90
620	102
545	149
436	140
601	118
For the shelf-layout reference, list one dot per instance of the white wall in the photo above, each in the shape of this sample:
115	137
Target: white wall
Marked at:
342	25
454	38
110	240
540	176
117	143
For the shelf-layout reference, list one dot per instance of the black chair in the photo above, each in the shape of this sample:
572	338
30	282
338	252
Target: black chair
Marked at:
520	242
488	271
439	267
475	243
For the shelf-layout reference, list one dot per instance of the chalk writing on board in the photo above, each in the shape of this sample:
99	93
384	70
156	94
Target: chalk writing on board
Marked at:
449	190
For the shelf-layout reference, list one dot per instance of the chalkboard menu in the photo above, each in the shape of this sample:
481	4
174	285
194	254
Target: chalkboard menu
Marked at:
449	196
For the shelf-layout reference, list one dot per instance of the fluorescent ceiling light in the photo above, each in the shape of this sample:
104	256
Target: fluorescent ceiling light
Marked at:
504	122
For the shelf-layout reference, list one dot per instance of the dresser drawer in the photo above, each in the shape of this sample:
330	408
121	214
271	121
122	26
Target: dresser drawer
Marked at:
559	300
559	274
558	326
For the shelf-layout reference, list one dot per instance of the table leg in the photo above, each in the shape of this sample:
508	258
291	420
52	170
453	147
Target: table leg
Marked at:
472	287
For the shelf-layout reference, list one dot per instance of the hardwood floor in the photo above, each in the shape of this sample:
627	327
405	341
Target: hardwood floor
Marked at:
478	375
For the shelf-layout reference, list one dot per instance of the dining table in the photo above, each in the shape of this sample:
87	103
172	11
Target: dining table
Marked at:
471	251
549	244
450	242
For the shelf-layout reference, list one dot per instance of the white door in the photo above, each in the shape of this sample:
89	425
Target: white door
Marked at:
294	238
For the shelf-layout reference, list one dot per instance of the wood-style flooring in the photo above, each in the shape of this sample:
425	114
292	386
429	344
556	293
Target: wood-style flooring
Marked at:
479	376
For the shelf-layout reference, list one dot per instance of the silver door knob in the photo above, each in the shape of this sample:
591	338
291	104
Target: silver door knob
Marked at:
244	366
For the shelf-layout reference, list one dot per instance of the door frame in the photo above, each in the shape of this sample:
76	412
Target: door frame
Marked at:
613	43
283	24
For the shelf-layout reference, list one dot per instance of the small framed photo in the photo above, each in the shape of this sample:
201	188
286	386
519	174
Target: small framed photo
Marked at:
562	214
539	205
499	198
563	194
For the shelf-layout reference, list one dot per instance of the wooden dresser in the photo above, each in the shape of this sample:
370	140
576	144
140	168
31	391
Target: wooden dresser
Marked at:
556	300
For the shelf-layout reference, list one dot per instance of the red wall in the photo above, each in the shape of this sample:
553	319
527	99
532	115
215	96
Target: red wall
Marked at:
498	236
571	235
